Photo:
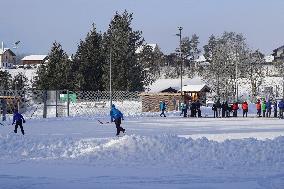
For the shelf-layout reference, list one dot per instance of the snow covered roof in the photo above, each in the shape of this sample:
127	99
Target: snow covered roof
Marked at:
35	57
269	58
7	49
140	49
201	58
162	84
195	88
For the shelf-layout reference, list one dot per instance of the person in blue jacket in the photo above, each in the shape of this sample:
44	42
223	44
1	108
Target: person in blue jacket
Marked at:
163	107
268	108
116	117
19	119
281	108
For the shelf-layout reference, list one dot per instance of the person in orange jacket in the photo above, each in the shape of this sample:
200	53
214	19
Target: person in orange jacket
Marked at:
235	109
258	108
245	109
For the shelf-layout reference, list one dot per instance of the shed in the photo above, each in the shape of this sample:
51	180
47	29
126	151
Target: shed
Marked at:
196	92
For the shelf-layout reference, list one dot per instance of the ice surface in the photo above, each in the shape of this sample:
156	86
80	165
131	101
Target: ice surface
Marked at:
171	152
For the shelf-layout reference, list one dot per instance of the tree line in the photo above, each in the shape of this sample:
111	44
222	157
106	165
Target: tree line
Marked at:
89	68
228	58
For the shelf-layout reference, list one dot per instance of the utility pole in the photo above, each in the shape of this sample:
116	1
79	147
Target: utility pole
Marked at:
181	61
110	88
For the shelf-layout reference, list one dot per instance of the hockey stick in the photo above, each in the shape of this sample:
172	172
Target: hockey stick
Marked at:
103	122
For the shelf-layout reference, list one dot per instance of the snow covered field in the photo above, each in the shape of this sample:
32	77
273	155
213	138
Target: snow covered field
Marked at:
172	152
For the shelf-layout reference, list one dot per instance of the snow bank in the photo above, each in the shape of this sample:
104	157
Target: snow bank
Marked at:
163	150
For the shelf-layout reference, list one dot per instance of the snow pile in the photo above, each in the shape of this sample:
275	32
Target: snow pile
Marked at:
163	150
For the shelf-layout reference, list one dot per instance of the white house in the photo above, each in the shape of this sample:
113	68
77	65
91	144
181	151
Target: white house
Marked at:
7	58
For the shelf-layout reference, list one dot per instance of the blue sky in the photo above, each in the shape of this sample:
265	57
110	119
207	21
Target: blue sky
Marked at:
37	23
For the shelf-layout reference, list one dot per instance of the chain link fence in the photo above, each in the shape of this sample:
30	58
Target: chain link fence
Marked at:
63	103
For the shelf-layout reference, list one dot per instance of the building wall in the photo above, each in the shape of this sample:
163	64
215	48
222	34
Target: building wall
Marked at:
151	101
31	62
7	60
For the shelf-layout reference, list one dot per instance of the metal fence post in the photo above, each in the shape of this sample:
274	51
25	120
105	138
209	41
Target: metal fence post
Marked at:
68	103
44	104
56	103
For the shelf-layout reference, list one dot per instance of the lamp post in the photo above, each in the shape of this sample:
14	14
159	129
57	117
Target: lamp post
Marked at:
181	61
110	88
16	47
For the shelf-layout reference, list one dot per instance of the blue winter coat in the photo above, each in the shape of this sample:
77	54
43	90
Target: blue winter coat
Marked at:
162	106
268	105
17	117
281	104
115	114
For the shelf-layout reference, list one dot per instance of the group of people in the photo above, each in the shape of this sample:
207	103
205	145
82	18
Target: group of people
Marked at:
225	109
194	107
264	108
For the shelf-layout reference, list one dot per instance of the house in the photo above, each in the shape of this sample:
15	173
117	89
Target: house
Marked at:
278	54
7	58
34	59
168	90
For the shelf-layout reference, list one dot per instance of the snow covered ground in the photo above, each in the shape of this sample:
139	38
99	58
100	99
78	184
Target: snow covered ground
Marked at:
171	152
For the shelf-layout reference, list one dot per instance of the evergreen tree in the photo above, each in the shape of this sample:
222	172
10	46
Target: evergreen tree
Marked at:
5	80
53	75
120	44
151	61
19	82
88	63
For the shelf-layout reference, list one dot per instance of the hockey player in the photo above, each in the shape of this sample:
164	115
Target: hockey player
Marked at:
19	119
116	117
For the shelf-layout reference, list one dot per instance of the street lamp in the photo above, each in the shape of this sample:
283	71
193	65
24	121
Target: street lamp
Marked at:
179	34
110	89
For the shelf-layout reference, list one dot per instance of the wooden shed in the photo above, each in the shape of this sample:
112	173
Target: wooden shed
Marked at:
151	101
196	92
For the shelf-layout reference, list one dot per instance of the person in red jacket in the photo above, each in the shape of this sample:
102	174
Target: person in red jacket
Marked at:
245	109
258	108
235	109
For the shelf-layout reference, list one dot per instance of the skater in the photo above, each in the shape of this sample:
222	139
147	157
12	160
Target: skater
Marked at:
218	106
4	109
268	108
275	108
163	108
214	108
235	109
281	109
245	109
229	109
258	108
224	109
193	109
19	119
184	109
198	108
263	108
116	117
